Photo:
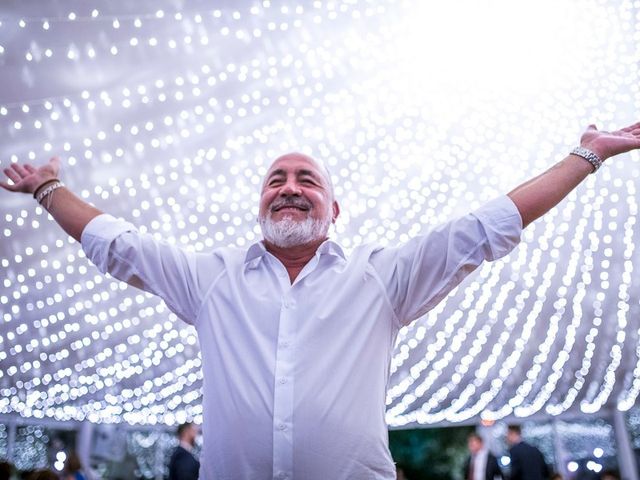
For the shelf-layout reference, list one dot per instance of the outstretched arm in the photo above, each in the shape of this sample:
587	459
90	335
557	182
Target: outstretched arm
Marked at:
540	194
116	247
71	213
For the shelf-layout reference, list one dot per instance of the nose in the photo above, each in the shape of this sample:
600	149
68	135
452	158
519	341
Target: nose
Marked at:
291	187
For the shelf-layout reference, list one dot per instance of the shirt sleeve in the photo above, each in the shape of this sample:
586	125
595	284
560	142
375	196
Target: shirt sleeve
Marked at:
116	247
421	272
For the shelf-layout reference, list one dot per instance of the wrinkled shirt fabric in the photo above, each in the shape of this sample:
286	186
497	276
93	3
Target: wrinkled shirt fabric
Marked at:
295	375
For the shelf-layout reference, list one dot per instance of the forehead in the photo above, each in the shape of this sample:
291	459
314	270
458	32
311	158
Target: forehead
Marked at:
298	164
293	163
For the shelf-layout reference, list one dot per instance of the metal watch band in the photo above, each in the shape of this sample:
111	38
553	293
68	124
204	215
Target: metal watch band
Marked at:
589	156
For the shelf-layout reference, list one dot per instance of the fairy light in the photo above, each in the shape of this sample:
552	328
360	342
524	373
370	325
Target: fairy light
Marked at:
412	140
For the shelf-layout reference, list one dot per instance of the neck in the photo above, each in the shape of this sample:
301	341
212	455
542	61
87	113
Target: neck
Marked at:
294	258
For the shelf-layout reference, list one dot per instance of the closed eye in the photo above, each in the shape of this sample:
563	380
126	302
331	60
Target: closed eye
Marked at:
307	179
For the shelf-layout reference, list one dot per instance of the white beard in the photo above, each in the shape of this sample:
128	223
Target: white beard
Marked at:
290	233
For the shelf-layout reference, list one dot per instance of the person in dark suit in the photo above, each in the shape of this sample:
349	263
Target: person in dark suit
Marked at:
527	462
481	464
183	464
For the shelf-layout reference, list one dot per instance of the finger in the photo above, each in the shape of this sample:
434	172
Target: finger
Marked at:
29	168
20	169
55	164
12	175
635	126
6	186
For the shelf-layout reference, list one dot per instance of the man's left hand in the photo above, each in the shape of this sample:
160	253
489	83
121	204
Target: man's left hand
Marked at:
608	144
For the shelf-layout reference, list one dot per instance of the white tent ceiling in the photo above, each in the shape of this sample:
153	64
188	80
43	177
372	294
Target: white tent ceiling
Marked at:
169	112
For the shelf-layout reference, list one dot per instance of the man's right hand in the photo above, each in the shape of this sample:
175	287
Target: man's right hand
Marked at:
71	212
27	178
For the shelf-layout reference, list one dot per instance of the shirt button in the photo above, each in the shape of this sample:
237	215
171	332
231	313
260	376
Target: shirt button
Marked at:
283	381
284	344
282	426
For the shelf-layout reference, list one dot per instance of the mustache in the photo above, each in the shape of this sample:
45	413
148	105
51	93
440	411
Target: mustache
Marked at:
295	202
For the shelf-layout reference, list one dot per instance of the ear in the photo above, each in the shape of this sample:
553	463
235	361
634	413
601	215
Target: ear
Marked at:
336	211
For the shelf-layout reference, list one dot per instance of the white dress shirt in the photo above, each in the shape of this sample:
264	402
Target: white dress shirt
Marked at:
295	375
480	464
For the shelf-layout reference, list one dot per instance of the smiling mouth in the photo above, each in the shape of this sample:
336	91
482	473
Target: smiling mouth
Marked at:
290	207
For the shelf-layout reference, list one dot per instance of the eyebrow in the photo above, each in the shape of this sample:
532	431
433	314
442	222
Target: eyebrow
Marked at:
308	173
277	172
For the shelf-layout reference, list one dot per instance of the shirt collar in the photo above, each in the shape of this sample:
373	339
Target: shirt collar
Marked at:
255	252
331	248
258	250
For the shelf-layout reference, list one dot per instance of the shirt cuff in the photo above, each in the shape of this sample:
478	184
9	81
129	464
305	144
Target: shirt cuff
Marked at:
502	223
98	235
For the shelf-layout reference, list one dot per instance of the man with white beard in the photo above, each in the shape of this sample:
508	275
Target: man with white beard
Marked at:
289	232
296	337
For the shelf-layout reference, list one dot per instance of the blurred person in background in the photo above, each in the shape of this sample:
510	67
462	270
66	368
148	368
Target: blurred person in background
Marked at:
610	475
400	475
183	464
527	462
43	474
481	464
6	470
73	468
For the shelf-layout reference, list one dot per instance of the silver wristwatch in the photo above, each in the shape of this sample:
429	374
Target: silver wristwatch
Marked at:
589	156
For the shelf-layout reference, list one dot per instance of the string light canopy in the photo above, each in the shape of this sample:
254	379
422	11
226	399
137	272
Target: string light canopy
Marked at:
169	114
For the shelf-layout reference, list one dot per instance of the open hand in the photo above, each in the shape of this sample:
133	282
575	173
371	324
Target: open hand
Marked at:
608	144
27	179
